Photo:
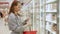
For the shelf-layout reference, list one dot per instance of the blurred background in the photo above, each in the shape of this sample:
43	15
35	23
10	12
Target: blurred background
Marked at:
44	15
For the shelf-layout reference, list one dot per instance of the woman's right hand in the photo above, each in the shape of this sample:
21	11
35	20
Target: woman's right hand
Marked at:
27	20
27	25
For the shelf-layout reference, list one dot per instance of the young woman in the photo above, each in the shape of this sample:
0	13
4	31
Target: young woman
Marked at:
15	22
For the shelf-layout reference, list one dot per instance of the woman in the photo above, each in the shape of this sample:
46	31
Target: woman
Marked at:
15	22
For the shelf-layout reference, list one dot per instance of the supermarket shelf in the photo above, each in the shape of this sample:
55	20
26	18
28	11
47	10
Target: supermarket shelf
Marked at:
49	29
48	3
51	21
51	11
47	8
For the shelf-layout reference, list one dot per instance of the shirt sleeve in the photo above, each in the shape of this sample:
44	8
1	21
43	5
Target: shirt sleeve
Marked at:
12	23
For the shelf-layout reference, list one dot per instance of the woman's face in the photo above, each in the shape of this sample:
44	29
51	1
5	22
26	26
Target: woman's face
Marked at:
17	8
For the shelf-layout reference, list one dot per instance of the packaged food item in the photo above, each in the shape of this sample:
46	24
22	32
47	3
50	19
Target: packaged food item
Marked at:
54	27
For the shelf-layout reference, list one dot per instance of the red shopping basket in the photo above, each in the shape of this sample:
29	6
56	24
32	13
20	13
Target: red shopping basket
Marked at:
29	32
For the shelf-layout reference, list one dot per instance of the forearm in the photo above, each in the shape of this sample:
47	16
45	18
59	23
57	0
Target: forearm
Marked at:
25	26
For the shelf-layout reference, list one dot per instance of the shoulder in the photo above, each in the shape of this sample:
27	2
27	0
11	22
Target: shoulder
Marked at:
11	16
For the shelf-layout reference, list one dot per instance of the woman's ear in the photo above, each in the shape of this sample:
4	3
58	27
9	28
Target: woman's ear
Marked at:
22	3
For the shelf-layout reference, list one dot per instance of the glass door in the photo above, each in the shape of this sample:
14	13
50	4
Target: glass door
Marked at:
49	16
33	10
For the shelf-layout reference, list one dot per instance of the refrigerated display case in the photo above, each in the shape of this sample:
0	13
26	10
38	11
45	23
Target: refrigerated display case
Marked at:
44	15
33	9
49	18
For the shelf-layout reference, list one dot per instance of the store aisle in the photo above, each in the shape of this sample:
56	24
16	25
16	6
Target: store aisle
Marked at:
3	29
